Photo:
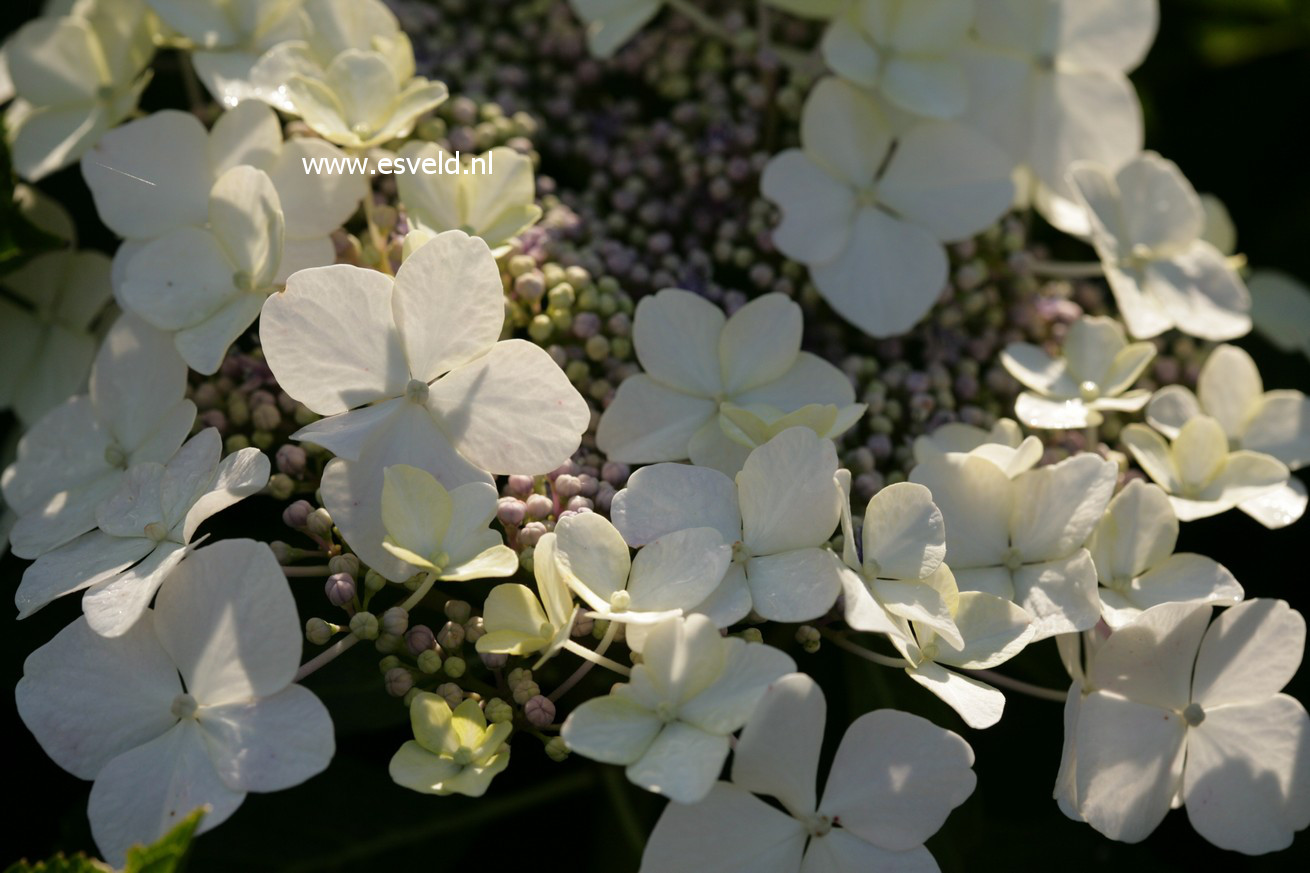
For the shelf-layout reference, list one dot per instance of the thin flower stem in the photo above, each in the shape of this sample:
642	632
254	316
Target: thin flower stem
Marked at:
1055	270
329	655
315	570
379	241
585	667
429	579
1021	686
587	654
859	651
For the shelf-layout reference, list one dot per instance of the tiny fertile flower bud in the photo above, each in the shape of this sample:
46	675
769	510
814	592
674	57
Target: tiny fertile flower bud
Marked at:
567	486
511	511
340	589
419	639
348	564
525	691
538	506
557	750
451	636
399	681
281	486
364	625
297	514
493	660
395	620
451	693
387	643
474	629
318	631
290	459
390	662
454	667
458	610
809	638
580	504
531	533
284	553
266	417
429	661
319	523
497	711
752	635
374	581
540	711
410	695
520	485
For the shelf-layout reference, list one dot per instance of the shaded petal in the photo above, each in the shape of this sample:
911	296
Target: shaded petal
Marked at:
612	730
682	763
904	535
1249	653
979	704
1229	387
1151	659
789	499
975	498
778	751
90	559
269	744
676	335
679	570
747	836
1279	425
1181	578
115	605
1055	508
647	422
817	209
663	498
759	343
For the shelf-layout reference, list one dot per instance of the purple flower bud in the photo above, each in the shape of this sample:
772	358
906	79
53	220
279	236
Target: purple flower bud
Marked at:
399	680
520	485
539	711
395	620
538	506
493	660
586	325
451	636
291	460
297	514
214	418
616	473
511	511
531	533
419	639
340	589
580	504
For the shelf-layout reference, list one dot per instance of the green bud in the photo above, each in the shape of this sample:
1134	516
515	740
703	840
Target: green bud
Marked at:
281	486
561	296
525	691
454	667
344	564
556	749
235	443
390	662
429	661
458	610
541	328
410	695
387	643
752	635
374	581
809	638
318	631
364	625
497	710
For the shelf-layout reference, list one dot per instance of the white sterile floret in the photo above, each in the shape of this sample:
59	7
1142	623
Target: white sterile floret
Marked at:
1190	715
1004	445
1276	423
777	516
410	371
75	77
1133	548
326	29
227	37
443	532
669	725
1280	309
144	529
697	362
908	51
192	706
453	751
1047	82
611	23
48	308
153	176
867	207
207	285
894	781
1146	224
1022	538
496	205
1199	472
78	453
519	622
670	576
1093	374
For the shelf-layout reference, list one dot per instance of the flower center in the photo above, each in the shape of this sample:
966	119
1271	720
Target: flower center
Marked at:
417	391
184	706
114	456
739	553
156	531
620	601
666	712
929	652
817	825
463	757
1089	391
1193	714
1012	559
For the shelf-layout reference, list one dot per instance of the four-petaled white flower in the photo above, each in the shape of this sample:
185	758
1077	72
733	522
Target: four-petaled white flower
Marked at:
669	577
46	339
496	205
1185	714
1276	423
144	529
1094	373
1047	82
905	50
696	362
410	372
193	705
669	724
1198	471
1133	549
894	781
78	453
778	517
75	77
153	176
207	285
1022	538
867	207
1147	224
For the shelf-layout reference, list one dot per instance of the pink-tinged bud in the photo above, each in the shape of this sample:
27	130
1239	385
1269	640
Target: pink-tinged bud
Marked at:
340	589
540	711
297	514
615	473
395	620
531	533
319	523
538	506
493	660
451	636
420	639
291	460
520	486
567	486
399	680
580	504
511	511
451	693
344	564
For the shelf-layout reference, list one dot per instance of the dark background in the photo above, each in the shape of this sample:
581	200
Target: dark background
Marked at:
1226	91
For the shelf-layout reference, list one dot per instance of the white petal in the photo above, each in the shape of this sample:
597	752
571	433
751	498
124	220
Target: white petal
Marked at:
349	434
1037	370
1203	295
1137	532
1055	508
1181	578
778	751
1161	209
839	852
904	535
140	795
1111	34
850	54
729	831
1279	506
1125	787
314	205
682	763
731	600
1151	659
759	343
179	279
817	209
810	380
87	560
1172	407
88	699
138	379
975	499
789	499
612	730
246	216
1279	425
1229	387
239	476
663	498
676	335
1046	414
1243	784
843	130
117	604
227	619
1153	454
592	557
979	704
934	87
994	630
331	341
648	422
1249	653
730	701
679	570
269	744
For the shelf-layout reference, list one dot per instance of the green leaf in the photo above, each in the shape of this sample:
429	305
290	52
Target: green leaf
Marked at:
169	854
